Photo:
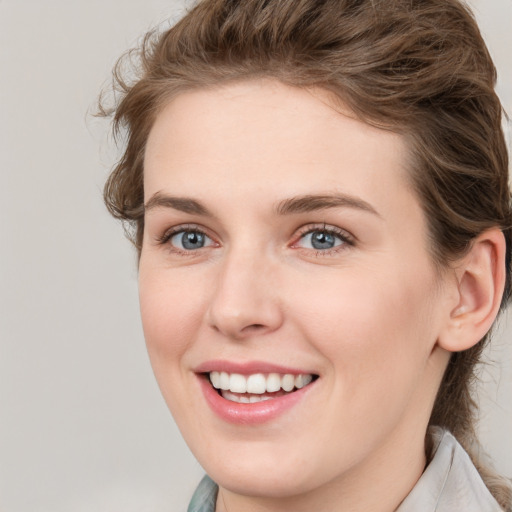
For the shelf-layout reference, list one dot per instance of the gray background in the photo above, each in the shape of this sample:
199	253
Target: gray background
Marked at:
82	423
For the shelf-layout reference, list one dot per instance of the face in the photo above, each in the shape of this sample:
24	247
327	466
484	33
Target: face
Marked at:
285	260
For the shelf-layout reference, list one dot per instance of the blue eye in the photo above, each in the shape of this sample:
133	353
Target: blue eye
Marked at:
190	240
321	240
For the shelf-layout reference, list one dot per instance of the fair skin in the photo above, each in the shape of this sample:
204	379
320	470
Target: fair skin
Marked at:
281	232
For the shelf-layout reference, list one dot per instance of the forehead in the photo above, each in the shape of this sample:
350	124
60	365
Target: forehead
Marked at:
266	135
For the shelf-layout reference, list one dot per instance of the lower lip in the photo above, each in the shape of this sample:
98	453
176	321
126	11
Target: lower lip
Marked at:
250	414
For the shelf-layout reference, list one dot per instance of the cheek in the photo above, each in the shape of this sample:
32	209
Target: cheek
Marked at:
171	313
375	329
364	308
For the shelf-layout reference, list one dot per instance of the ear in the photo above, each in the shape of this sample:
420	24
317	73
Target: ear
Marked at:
479	284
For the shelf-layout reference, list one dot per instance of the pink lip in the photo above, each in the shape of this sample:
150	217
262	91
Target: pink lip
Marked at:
248	414
246	368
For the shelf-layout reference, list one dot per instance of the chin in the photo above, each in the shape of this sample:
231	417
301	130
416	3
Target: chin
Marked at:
272	472
261	481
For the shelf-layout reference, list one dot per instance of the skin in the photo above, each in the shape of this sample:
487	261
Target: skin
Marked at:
366	316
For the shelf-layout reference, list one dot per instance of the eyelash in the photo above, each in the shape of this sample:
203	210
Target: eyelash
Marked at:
166	237
346	239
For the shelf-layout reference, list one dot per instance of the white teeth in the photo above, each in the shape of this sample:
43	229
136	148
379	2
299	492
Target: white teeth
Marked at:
288	382
258	383
223	380
273	382
215	378
253	399
237	383
302	380
241	399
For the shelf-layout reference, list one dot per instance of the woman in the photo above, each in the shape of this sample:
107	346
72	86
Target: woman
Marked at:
319	197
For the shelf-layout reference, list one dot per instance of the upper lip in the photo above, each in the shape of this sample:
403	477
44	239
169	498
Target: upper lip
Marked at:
247	368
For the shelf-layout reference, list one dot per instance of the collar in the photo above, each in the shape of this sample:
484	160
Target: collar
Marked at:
450	482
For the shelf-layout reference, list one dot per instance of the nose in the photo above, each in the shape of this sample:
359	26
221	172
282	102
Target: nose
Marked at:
245	300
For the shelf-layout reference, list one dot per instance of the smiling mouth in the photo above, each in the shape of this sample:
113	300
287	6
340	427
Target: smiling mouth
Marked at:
257	387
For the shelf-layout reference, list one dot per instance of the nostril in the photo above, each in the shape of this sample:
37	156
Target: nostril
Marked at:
254	327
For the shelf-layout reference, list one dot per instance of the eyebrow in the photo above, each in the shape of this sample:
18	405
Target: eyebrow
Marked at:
311	203
293	205
182	204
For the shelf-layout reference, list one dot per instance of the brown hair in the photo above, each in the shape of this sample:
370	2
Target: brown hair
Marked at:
417	67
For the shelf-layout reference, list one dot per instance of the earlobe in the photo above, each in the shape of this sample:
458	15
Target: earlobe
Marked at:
480	283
